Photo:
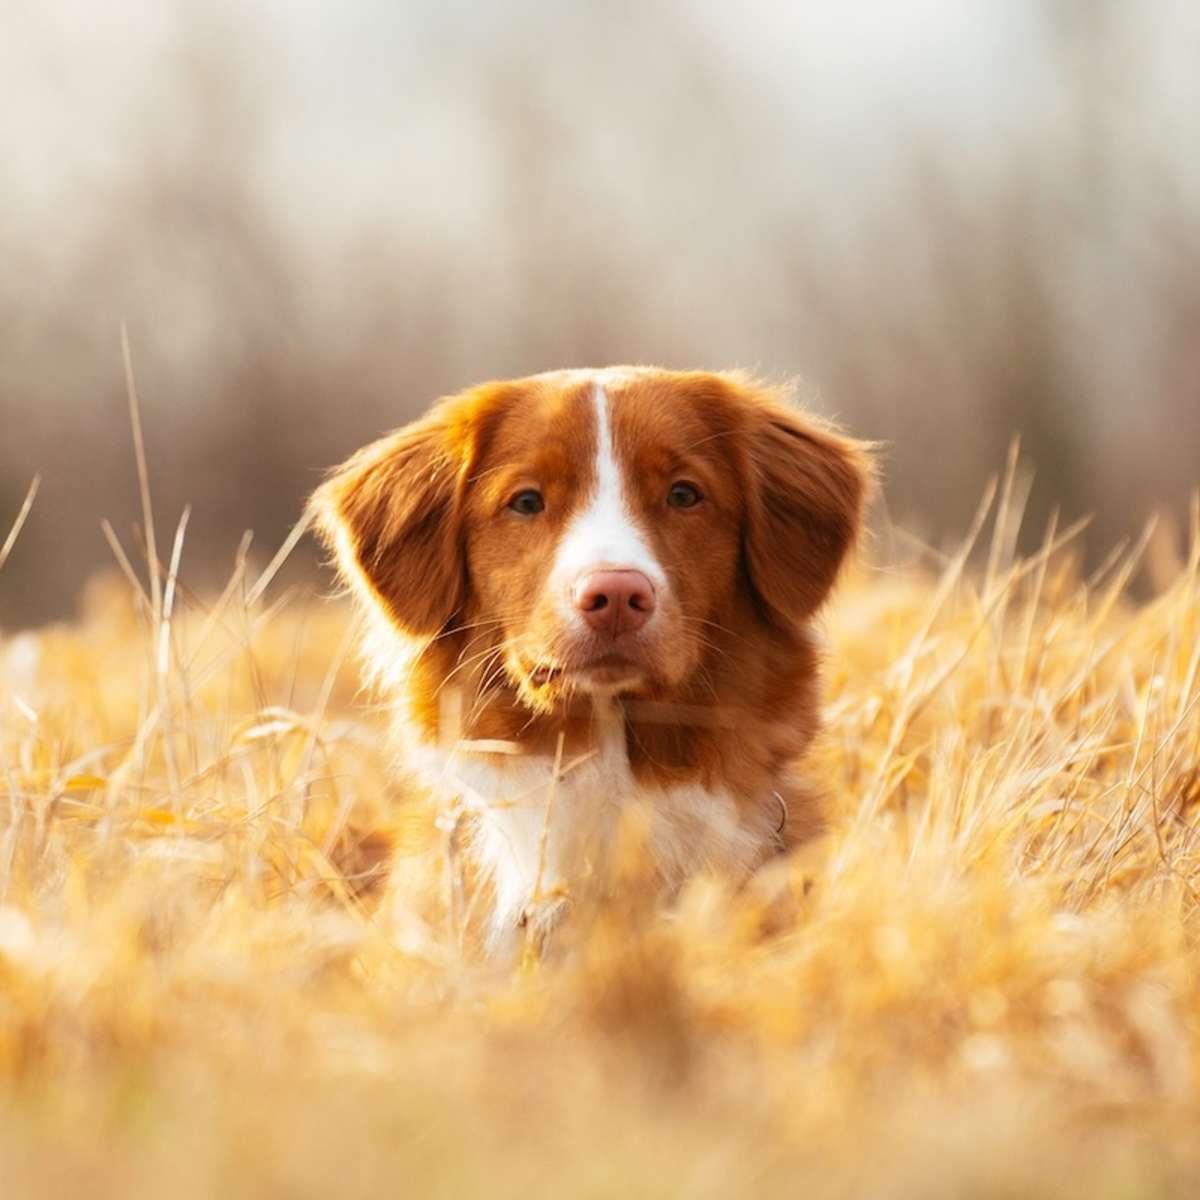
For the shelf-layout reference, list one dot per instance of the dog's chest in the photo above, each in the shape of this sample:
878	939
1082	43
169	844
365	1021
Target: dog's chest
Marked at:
541	834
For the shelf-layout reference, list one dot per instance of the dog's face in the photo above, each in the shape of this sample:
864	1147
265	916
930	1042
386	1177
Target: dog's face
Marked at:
595	532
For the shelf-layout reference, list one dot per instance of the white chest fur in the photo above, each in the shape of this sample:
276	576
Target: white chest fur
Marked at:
542	836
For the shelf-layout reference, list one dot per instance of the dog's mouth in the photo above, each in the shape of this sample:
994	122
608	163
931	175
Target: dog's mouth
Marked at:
543	675
605	672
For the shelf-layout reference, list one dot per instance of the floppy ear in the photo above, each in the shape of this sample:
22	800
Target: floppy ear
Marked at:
391	513
808	490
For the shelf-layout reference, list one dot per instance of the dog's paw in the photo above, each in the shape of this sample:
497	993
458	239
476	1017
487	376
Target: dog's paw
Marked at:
540	918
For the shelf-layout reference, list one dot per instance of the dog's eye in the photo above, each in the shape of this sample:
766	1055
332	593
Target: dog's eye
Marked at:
683	495
527	503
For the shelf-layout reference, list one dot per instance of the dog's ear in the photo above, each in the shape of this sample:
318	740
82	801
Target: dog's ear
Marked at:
392	516
807	492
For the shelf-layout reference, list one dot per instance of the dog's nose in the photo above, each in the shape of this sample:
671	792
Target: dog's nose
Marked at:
614	602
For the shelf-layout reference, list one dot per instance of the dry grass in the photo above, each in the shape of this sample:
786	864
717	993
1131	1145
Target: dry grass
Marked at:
983	983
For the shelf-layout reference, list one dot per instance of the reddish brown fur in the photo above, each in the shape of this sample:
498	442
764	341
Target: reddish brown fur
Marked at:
731	700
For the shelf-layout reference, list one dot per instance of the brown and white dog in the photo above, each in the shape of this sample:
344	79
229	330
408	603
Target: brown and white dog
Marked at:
604	579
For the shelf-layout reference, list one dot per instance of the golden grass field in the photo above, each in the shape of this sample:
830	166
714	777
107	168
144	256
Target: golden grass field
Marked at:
983	982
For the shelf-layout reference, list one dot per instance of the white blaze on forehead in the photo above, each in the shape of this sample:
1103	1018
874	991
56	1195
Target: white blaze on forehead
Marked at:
604	533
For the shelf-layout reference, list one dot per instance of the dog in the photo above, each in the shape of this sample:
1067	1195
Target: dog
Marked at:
589	590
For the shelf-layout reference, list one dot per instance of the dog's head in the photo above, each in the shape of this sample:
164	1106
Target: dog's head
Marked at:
598	530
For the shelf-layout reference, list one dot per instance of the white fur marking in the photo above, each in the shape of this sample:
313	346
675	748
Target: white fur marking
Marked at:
691	827
604	533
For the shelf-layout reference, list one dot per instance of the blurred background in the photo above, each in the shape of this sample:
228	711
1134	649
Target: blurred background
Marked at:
955	222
